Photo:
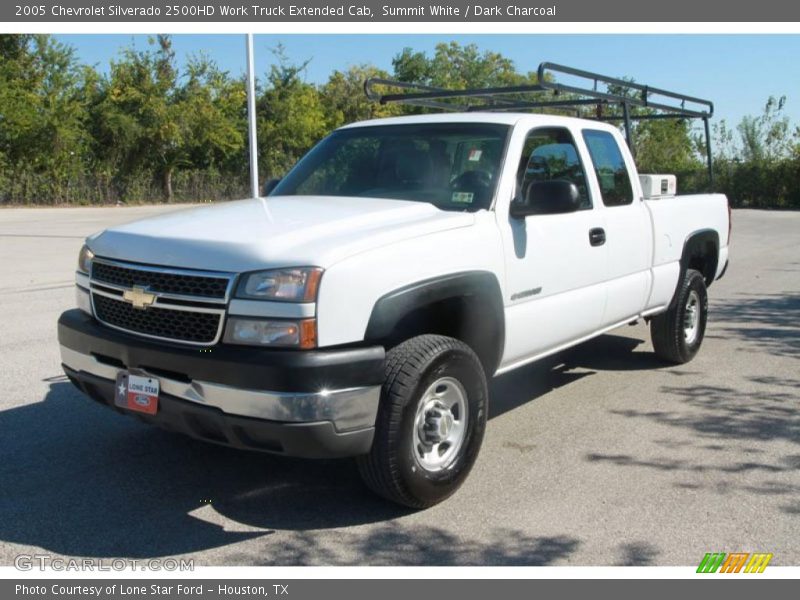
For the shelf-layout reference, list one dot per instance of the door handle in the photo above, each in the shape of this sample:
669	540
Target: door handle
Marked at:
597	236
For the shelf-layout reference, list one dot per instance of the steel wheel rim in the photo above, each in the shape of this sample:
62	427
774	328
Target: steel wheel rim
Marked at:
440	424
691	318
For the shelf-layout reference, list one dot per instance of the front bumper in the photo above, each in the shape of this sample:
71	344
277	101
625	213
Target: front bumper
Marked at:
315	404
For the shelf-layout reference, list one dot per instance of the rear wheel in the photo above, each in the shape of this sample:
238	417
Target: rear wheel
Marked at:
430	423
678	333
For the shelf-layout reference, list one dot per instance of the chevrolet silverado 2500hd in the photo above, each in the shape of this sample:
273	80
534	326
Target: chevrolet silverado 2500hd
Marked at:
359	309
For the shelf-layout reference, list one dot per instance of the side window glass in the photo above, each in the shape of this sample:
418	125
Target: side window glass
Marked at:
609	166
550	154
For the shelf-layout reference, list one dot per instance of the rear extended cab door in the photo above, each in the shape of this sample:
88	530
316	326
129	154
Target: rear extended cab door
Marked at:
628	226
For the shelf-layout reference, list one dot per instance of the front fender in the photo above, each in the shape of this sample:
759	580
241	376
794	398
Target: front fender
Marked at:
475	297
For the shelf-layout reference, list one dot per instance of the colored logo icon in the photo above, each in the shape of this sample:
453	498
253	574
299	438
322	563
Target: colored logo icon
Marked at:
735	562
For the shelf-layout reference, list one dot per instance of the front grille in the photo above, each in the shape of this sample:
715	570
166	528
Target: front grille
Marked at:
161	281
178	325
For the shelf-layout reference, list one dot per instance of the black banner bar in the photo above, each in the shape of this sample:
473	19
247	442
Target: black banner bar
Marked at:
263	11
731	587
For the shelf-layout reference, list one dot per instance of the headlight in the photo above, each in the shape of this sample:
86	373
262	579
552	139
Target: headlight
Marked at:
264	332
85	257
284	285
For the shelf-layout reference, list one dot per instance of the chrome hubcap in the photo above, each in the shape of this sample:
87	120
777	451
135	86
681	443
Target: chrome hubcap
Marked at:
691	318
440	424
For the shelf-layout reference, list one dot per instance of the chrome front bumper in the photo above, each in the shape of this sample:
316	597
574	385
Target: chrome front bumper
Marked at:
348	409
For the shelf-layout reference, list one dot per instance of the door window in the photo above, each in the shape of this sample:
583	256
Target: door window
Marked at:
550	154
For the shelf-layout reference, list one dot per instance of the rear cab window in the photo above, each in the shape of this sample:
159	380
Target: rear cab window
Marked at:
612	173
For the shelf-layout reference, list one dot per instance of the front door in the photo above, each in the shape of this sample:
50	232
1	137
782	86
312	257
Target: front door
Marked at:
556	264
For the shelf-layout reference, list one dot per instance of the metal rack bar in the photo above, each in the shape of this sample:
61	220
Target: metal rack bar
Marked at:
542	104
626	112
708	154
626	88
661	103
648	117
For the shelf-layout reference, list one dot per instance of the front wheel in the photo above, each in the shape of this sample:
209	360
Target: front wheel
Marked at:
678	333
430	423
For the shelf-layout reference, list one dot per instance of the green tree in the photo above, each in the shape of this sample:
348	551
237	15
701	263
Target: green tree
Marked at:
146	130
723	141
152	120
768	136
454	66
213	116
42	113
666	145
291	117
139	120
761	166
765	137
660	145
457	67
344	99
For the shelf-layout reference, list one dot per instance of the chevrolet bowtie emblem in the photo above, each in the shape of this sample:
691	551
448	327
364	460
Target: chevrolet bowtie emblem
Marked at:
139	297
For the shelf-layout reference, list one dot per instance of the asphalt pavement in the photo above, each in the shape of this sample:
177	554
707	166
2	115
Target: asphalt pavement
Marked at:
601	455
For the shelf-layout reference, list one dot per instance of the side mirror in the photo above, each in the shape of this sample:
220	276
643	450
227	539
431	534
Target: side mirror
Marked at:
547	198
270	185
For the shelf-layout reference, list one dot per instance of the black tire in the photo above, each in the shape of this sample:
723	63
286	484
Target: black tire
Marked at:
667	329
392	469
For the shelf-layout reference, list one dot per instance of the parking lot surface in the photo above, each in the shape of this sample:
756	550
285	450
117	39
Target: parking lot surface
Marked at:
601	455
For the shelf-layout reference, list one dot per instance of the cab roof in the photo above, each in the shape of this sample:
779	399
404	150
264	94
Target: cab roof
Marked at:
503	118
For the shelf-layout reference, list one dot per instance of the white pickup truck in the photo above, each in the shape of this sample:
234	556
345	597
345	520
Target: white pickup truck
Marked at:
359	308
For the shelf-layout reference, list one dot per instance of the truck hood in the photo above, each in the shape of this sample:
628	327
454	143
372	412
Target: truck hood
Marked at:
279	231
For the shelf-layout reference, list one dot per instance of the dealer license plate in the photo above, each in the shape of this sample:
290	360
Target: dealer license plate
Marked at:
137	392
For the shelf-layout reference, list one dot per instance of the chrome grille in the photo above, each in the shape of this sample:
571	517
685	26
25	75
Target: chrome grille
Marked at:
170	282
189	306
179	325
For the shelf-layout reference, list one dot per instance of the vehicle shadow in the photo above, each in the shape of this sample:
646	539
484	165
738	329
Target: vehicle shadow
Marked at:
604	353
717	438
80	480
716	413
396	544
637	554
721	438
764	323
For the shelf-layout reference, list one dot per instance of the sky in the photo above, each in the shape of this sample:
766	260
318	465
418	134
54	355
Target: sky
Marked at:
737	72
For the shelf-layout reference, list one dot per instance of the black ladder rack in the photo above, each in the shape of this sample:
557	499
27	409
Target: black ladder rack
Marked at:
613	104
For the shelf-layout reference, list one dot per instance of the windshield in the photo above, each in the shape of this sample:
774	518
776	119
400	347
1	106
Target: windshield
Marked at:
454	166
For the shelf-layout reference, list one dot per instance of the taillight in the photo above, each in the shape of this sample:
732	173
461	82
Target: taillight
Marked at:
730	221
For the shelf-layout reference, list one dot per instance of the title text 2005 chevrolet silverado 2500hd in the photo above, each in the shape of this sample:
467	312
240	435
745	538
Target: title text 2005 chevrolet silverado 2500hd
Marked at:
360	308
